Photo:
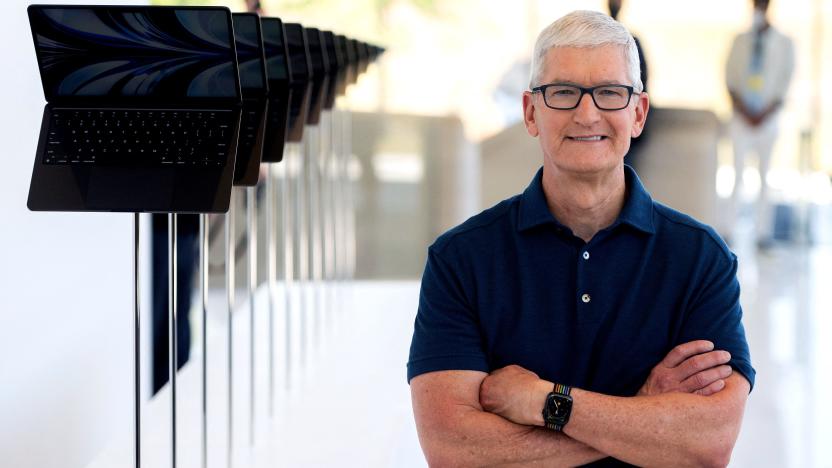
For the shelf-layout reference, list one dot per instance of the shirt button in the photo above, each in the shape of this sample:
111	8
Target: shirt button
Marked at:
586	298
586	255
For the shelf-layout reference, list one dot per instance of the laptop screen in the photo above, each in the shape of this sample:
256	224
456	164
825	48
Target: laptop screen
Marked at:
249	52
132	53
320	65
298	52
276	63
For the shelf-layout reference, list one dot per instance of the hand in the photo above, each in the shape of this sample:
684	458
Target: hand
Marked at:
753	119
516	394
691	367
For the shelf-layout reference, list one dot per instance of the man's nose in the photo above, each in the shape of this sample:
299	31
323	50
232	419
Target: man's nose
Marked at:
586	113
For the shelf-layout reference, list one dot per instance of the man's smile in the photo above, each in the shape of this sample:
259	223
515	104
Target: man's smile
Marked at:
587	138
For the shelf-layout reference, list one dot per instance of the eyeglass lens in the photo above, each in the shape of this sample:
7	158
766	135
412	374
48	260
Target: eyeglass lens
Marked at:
567	97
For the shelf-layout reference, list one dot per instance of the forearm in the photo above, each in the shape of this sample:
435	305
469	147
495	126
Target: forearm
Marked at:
676	429
478	438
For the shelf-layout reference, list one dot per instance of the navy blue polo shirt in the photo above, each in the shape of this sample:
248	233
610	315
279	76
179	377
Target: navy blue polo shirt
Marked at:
512	285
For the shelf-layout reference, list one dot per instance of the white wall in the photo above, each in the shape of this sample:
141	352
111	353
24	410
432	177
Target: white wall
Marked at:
65	294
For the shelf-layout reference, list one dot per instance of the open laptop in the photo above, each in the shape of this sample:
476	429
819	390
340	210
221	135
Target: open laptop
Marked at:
143	108
278	72
337	70
320	74
301	81
350	65
252	63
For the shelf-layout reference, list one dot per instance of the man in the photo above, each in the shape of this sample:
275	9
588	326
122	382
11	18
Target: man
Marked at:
580	320
757	74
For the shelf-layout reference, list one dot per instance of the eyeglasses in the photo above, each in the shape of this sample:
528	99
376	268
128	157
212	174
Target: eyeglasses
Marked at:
566	97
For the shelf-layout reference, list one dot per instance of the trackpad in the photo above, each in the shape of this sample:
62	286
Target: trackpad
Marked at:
131	189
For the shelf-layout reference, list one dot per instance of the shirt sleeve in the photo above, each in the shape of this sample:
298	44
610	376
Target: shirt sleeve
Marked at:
446	333
716	314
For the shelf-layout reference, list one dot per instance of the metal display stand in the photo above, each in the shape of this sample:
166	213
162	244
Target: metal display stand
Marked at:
230	282
288	260
203	294
349	207
137	371
251	218
173	353
303	253
310	168
271	233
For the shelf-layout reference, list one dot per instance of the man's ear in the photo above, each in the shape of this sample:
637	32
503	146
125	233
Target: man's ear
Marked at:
528	113
642	107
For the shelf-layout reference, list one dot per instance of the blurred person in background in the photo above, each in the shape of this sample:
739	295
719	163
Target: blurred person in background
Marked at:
759	69
580	321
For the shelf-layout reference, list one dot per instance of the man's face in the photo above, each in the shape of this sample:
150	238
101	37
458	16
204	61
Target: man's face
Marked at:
585	139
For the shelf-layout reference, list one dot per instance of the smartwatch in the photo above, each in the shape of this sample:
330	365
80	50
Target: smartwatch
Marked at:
558	407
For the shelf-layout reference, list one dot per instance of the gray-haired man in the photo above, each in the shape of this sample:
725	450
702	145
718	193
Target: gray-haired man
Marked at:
577	322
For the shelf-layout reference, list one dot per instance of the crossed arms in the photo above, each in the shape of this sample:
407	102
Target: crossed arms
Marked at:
687	413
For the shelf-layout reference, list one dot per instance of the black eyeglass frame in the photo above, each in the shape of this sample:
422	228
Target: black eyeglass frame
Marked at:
542	90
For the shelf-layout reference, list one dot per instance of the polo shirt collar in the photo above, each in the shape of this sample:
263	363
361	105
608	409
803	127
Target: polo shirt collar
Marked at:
637	211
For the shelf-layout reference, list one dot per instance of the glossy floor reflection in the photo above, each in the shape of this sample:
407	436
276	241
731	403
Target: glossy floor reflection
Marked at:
787	300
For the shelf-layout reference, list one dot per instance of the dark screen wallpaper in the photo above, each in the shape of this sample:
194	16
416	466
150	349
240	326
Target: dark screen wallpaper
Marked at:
276	66
249	52
159	53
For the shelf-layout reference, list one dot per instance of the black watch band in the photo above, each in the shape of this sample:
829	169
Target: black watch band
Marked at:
558	407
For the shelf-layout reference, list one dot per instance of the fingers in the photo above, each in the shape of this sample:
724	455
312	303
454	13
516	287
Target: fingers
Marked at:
701	362
682	352
707	380
714	387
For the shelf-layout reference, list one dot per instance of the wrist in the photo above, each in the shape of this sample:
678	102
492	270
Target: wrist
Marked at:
537	401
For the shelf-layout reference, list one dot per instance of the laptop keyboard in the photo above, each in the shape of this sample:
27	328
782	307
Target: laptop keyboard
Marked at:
138	137
248	131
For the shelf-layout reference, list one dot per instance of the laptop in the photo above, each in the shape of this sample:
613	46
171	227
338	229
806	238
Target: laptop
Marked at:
143	109
301	79
350	65
277	71
337	70
252	63
320	72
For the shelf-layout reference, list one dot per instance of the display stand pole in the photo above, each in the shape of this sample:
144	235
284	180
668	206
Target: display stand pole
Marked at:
251	218
335	168
272	271
308	156
324	214
303	254
137	371
350	206
172	329
288	259
203	294
229	278
342	203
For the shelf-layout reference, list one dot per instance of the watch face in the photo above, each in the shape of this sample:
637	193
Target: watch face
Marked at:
562	406
558	408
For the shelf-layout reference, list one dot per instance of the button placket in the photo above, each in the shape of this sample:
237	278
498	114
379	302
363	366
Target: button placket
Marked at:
583	282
